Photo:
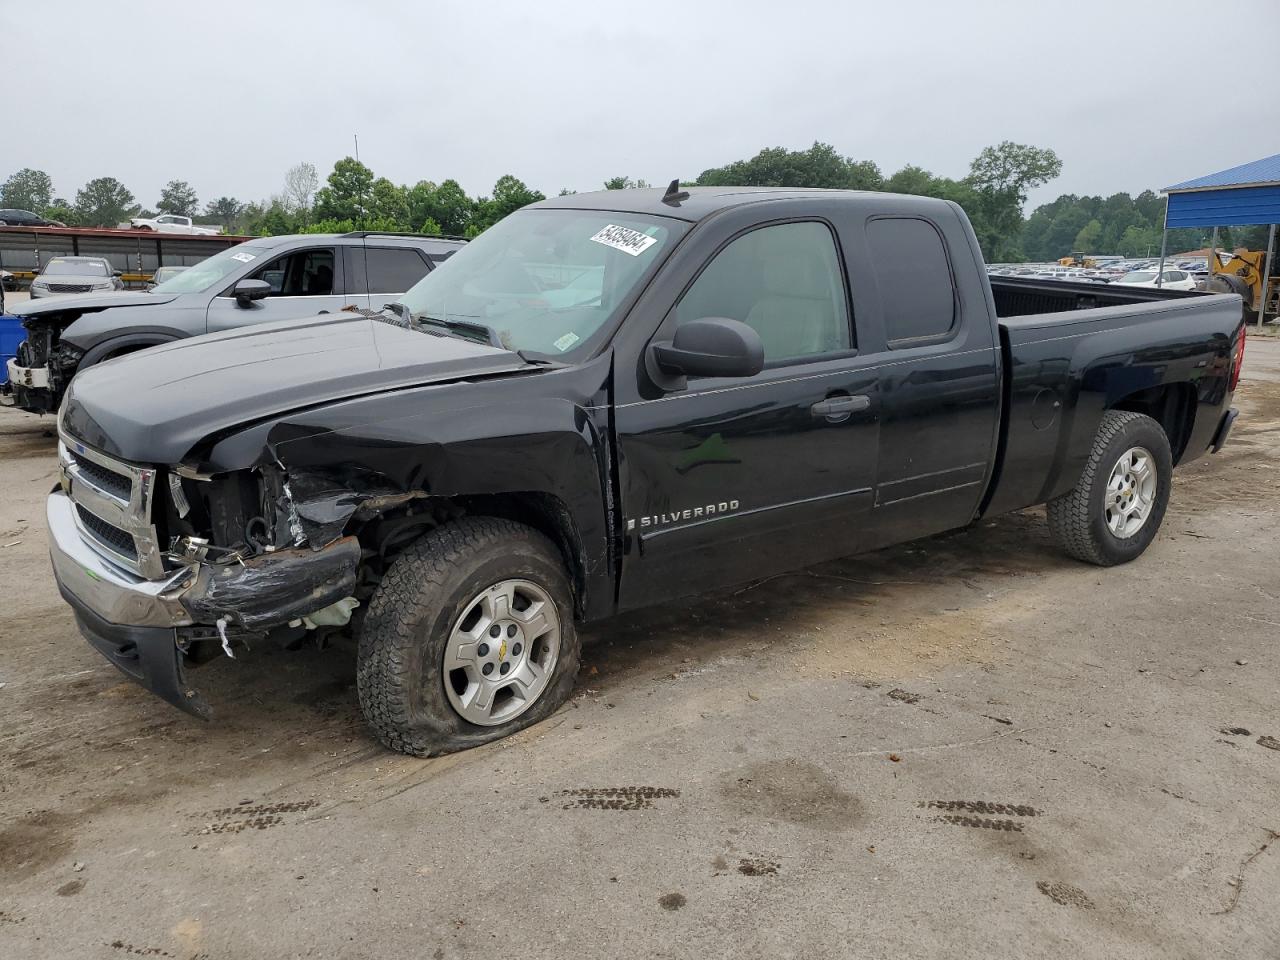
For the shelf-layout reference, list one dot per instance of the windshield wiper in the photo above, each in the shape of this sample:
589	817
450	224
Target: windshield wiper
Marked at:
467	329
462	329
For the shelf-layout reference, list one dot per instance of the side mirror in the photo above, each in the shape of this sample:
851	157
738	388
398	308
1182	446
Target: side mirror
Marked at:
710	347
246	291
117	273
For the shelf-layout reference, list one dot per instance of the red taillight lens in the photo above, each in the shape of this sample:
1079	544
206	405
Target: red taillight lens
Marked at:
1237	362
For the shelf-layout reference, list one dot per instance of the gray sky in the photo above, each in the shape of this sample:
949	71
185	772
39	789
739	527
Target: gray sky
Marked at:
565	94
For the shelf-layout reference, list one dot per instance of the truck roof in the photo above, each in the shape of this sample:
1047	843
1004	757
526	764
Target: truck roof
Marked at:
702	202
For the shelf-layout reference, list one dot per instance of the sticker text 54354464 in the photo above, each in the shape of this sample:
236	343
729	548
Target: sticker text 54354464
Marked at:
625	239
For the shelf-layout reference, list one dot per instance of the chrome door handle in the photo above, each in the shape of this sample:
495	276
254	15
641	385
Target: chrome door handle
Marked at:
838	409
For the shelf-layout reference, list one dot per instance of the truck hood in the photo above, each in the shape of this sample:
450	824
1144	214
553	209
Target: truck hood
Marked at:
155	405
88	302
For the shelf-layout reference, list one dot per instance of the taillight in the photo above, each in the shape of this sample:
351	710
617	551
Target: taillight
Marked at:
1236	363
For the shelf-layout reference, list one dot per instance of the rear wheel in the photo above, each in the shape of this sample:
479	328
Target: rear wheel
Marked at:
468	638
1116	507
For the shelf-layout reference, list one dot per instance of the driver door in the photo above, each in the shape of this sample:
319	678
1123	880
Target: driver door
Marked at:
735	478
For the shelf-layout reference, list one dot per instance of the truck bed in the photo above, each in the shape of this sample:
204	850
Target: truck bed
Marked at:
1071	351
1025	296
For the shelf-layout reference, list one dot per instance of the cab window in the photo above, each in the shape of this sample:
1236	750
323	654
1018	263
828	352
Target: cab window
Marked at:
783	281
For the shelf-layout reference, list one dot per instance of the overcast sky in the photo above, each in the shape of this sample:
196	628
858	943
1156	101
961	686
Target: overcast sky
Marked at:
565	94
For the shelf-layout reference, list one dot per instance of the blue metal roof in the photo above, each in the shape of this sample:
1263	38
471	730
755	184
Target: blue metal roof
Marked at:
1257	173
1224	207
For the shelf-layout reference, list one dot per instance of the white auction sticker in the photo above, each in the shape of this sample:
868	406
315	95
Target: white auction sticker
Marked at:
625	239
567	341
243	257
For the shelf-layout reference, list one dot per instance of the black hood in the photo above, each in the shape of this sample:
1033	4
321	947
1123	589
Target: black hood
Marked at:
88	302
155	405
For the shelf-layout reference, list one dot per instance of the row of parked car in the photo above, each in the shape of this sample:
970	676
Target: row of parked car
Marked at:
161	223
1179	275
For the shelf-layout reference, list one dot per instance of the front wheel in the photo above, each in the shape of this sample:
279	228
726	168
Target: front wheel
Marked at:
469	638
1116	507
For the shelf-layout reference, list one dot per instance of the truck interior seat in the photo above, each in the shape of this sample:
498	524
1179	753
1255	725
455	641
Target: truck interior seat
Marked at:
794	314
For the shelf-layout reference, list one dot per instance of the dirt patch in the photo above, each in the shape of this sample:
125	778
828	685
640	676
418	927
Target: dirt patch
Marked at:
672	901
71	888
35	841
795	791
757	867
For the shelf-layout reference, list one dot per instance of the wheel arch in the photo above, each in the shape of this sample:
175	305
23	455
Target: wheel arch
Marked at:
1172	405
117	346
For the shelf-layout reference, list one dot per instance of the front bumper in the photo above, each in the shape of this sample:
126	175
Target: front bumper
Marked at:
33	378
28	388
139	624
131	622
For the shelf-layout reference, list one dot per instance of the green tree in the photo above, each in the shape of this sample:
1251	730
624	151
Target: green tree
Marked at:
430	227
62	211
1001	176
389	204
27	189
819	166
623	183
346	194
1087	239
225	211
509	195
913	180
447	204
178	197
104	202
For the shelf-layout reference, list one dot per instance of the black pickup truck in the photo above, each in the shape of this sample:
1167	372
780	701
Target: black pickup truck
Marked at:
606	401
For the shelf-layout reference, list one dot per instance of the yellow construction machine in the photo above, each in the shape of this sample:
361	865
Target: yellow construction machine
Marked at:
1242	274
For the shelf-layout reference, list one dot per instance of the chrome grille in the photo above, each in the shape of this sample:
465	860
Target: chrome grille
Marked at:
109	481
113	538
113	501
70	287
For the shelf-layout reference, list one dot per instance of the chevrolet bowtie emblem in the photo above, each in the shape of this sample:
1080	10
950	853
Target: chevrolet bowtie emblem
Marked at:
502	650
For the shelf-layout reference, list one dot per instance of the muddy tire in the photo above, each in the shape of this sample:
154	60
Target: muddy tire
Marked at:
469	638
1116	507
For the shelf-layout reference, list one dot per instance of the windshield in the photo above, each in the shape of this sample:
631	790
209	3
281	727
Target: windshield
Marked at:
75	268
546	281
1138	276
208	273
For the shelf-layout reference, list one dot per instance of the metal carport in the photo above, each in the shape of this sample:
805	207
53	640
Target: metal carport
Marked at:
1247	195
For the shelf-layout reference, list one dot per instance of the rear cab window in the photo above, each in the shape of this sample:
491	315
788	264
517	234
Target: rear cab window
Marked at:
914	280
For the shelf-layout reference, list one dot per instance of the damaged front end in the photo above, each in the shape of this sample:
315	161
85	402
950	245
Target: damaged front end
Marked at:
166	569
43	366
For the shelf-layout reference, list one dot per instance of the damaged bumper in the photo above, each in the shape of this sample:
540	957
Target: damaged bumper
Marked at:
139	624
28	388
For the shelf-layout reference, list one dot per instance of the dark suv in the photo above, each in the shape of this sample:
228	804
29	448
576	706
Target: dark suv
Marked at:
268	278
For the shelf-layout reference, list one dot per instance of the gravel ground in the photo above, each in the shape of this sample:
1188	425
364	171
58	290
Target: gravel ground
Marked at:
965	747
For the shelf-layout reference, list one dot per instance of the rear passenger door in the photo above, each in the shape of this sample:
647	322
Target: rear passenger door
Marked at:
304	281
385	273
939	383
